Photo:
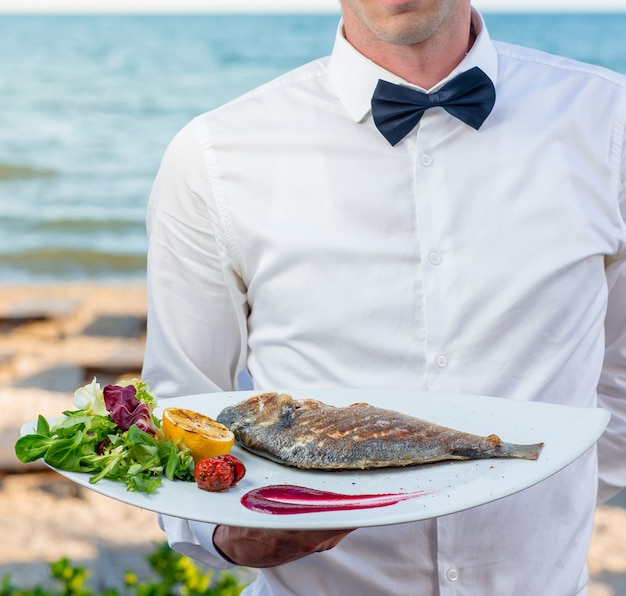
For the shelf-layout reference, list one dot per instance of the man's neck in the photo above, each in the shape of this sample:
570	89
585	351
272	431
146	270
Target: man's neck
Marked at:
423	64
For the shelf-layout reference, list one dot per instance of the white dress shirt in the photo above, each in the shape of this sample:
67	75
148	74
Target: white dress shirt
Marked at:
289	237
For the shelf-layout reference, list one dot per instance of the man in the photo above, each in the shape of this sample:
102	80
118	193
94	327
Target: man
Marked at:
296	234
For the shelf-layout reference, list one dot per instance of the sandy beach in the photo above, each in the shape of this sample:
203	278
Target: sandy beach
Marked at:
52	340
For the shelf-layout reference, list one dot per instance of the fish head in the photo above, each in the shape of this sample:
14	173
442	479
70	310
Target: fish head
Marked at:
265	408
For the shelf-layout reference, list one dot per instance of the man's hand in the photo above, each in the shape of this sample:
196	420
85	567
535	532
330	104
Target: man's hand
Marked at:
252	547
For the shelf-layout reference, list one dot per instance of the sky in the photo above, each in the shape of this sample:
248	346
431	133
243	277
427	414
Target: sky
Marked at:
74	6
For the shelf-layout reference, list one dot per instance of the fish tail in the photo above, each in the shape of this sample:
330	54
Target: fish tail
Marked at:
521	451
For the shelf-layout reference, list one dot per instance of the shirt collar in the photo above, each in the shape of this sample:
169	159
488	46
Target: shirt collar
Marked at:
354	77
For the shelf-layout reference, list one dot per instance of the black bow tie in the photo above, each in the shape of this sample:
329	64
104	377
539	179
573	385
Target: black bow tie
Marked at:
396	109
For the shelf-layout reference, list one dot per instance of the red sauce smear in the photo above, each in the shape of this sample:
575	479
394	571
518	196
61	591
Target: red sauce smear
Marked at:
287	499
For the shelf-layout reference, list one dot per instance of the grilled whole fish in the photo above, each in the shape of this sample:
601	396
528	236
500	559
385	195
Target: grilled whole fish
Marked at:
312	435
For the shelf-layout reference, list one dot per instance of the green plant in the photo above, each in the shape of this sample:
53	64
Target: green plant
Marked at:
175	575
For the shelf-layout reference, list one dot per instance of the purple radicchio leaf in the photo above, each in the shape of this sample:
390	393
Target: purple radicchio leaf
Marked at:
125	409
101	446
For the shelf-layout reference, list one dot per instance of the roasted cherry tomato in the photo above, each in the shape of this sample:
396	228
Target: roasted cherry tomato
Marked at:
219	473
238	468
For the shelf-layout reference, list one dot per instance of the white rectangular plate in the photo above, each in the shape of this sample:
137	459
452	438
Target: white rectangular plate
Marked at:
449	487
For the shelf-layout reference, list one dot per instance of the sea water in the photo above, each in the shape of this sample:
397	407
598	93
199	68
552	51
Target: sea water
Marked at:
88	104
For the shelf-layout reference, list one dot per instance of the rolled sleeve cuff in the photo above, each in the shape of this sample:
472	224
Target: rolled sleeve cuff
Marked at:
195	540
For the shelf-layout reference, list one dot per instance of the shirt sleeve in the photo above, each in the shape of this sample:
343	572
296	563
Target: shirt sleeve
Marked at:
196	301
196	304
612	386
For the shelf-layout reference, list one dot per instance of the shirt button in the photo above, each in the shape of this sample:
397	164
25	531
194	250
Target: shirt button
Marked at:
441	361
426	160
452	574
434	258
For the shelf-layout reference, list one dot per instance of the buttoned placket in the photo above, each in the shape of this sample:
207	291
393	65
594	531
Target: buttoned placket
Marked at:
450	574
429	188
431	205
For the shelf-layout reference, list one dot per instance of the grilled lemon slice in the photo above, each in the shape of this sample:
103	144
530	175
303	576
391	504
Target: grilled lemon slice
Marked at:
202	435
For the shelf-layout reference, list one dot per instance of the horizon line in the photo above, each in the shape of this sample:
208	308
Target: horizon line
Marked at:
277	11
197	7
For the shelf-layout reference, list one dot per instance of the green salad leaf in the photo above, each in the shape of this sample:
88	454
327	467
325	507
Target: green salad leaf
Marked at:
118	438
